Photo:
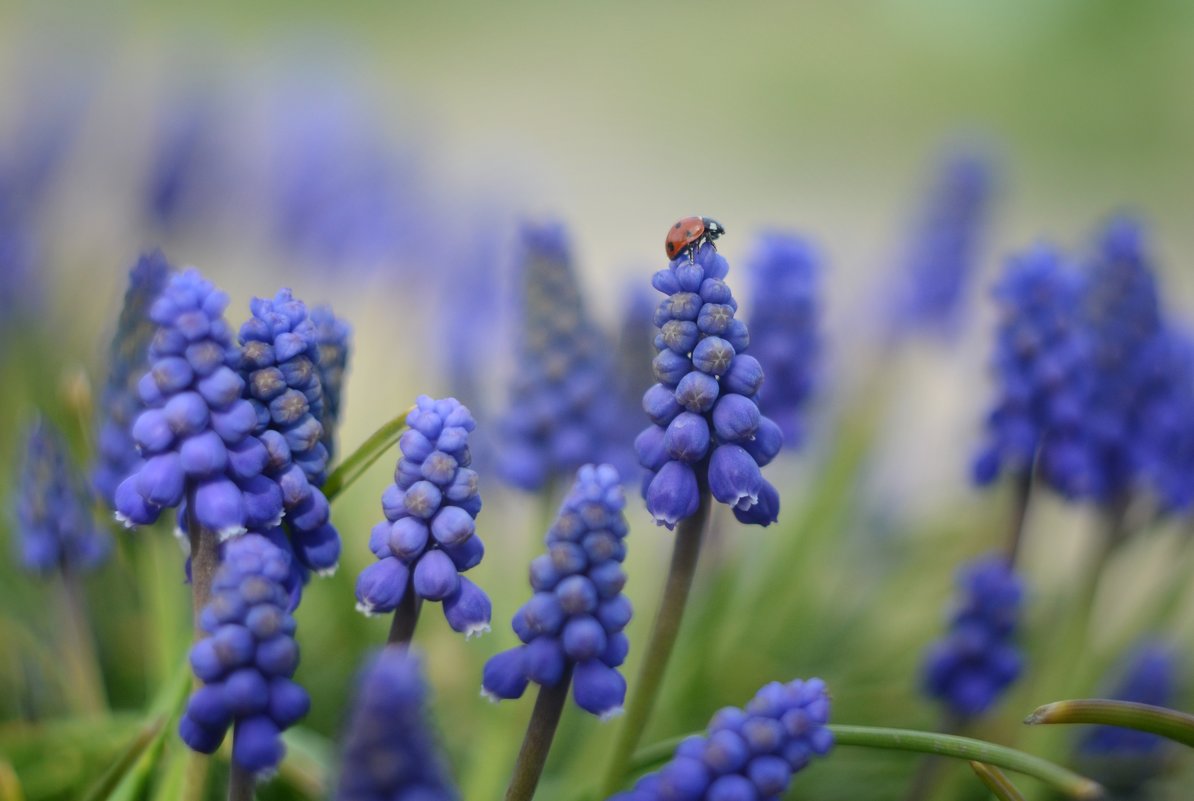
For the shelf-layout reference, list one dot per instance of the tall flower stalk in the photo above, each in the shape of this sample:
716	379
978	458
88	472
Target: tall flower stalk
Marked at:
572	628
707	441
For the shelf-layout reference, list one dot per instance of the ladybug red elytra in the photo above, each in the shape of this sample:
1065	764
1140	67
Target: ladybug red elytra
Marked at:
689	233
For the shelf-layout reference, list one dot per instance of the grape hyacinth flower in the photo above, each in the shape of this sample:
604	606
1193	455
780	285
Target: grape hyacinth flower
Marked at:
332	336
573	624
1043	372
942	257
279	362
54	525
1124	759
390	749
1123	315
1167	421
196	432
247	660
429	535
128	360
563	410
977	660
784	327
707	430
748	754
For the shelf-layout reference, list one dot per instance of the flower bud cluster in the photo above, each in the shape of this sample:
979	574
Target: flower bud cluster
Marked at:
247	660
1042	367
117	455
977	660
748	754
429	535
784	326
390	749
196	433
54	524
564	409
279	362
575	619
332	335
706	429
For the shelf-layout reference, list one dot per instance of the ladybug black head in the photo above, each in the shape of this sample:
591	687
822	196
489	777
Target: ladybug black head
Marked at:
713	228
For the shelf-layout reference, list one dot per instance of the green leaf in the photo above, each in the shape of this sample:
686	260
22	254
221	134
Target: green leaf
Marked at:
1169	723
129	755
357	462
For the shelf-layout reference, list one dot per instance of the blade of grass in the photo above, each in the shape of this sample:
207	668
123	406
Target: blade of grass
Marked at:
1168	723
357	462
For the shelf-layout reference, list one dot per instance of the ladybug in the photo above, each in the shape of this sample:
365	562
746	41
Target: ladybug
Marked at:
689	233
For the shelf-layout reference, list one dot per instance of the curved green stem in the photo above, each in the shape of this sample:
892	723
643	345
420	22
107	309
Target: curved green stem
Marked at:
357	462
537	743
240	784
950	745
667	625
997	782
1169	723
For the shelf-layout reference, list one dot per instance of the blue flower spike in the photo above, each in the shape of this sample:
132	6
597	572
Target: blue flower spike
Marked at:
564	409
1043	372
784	326
128	359
196	433
978	660
333	336
390	749
573	624
748	754
706	431
429	538
54	525
247	660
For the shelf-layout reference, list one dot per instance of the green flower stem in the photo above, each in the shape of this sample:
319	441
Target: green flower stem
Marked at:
667	625
205	560
406	616
357	462
949	745
997	782
1169	723
87	683
537	743
1022	493
240	783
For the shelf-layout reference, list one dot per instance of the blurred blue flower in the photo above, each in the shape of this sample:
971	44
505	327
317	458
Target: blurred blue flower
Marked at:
706	430
429	535
341	196
187	162
784	326
1043	374
196	433
977	660
1124	759
390	748
54	526
942	257
563	410
748	754
1123	315
128	360
333	335
574	621
1167	420
247	660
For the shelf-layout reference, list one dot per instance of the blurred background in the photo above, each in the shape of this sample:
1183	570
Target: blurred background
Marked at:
381	157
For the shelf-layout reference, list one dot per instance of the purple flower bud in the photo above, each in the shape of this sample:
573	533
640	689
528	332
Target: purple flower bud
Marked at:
734	477
687	438
672	494
505	675
661	405
697	392
598	689
381	585
435	577
544	661
468	610
735	419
